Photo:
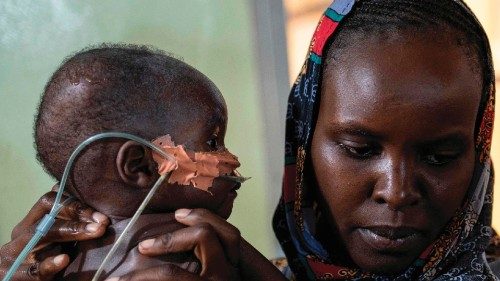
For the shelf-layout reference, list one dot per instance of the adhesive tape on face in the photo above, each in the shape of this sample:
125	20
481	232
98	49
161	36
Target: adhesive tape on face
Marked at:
198	169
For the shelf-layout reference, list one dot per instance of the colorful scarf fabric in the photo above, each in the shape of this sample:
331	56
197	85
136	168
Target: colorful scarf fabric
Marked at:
458	254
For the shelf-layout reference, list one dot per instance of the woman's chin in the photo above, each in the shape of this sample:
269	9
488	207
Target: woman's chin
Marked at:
385	265
376	251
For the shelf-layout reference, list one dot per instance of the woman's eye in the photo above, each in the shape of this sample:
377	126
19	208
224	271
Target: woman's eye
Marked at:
439	159
360	152
213	144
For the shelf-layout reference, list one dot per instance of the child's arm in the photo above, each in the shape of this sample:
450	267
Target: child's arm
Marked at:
76	222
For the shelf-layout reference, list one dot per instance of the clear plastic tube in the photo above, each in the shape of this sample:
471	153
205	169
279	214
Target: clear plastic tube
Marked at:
49	219
125	232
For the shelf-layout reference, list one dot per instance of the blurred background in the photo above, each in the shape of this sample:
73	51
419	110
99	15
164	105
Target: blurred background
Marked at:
251	49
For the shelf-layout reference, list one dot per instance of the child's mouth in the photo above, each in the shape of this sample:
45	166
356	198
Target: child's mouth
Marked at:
236	187
237	179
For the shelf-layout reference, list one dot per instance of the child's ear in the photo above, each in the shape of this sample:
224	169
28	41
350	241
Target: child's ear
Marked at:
135	165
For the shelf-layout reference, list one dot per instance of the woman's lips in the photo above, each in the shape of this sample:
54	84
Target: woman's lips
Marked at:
391	239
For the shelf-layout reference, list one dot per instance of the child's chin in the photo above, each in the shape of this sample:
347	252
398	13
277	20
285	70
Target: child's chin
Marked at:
226	207
224	215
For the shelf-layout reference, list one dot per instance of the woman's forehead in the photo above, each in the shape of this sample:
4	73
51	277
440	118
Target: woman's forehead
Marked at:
403	82
429	69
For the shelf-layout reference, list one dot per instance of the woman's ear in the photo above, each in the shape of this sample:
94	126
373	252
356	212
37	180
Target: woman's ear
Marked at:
135	165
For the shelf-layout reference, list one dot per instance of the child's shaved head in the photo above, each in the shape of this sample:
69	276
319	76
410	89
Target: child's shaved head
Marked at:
126	88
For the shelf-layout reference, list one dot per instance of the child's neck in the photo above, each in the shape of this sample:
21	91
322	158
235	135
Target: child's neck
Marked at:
90	254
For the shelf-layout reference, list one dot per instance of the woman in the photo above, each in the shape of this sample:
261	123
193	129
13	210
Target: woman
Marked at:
394	159
388	175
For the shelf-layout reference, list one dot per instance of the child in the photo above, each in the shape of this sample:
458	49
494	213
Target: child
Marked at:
152	95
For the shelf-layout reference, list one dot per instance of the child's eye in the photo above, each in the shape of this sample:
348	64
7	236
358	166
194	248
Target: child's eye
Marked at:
361	151
213	144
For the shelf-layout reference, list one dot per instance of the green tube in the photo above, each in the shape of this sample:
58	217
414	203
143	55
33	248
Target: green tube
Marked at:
49	219
128	227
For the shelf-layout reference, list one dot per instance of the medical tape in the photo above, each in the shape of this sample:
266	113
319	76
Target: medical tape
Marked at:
198	169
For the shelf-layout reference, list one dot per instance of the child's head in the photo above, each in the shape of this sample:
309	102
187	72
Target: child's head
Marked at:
136	90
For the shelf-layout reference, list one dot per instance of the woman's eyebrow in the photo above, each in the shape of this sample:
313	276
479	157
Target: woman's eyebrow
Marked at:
452	139
354	129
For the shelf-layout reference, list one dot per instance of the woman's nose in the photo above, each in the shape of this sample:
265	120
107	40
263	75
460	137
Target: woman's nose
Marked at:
397	185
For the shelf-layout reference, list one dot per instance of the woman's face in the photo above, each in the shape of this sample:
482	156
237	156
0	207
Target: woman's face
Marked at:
393	147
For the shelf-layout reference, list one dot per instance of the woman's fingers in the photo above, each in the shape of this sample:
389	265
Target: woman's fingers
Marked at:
11	250
168	272
51	266
229	235
42	271
77	211
41	207
202	240
64	231
72	210
61	231
75	222
215	242
248	263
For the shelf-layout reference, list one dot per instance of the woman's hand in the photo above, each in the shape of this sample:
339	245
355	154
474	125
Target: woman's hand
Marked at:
75	222
223	253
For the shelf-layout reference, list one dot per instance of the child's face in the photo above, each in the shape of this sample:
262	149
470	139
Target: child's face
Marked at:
393	147
200	127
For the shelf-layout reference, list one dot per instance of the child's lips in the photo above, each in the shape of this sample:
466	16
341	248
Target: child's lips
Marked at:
235	178
236	187
238	179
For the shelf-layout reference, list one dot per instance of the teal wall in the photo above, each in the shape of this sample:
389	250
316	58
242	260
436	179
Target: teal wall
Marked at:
214	36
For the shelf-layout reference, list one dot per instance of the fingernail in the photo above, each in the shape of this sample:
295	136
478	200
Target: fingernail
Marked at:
182	213
58	260
113	279
92	227
98	217
146	244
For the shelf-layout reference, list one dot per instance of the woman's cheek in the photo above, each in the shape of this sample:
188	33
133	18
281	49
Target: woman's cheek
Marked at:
340	178
445	188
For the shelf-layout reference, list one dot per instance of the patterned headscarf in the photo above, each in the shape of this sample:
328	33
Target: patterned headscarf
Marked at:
457	254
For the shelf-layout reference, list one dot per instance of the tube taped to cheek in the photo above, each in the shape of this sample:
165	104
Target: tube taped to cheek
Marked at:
198	169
